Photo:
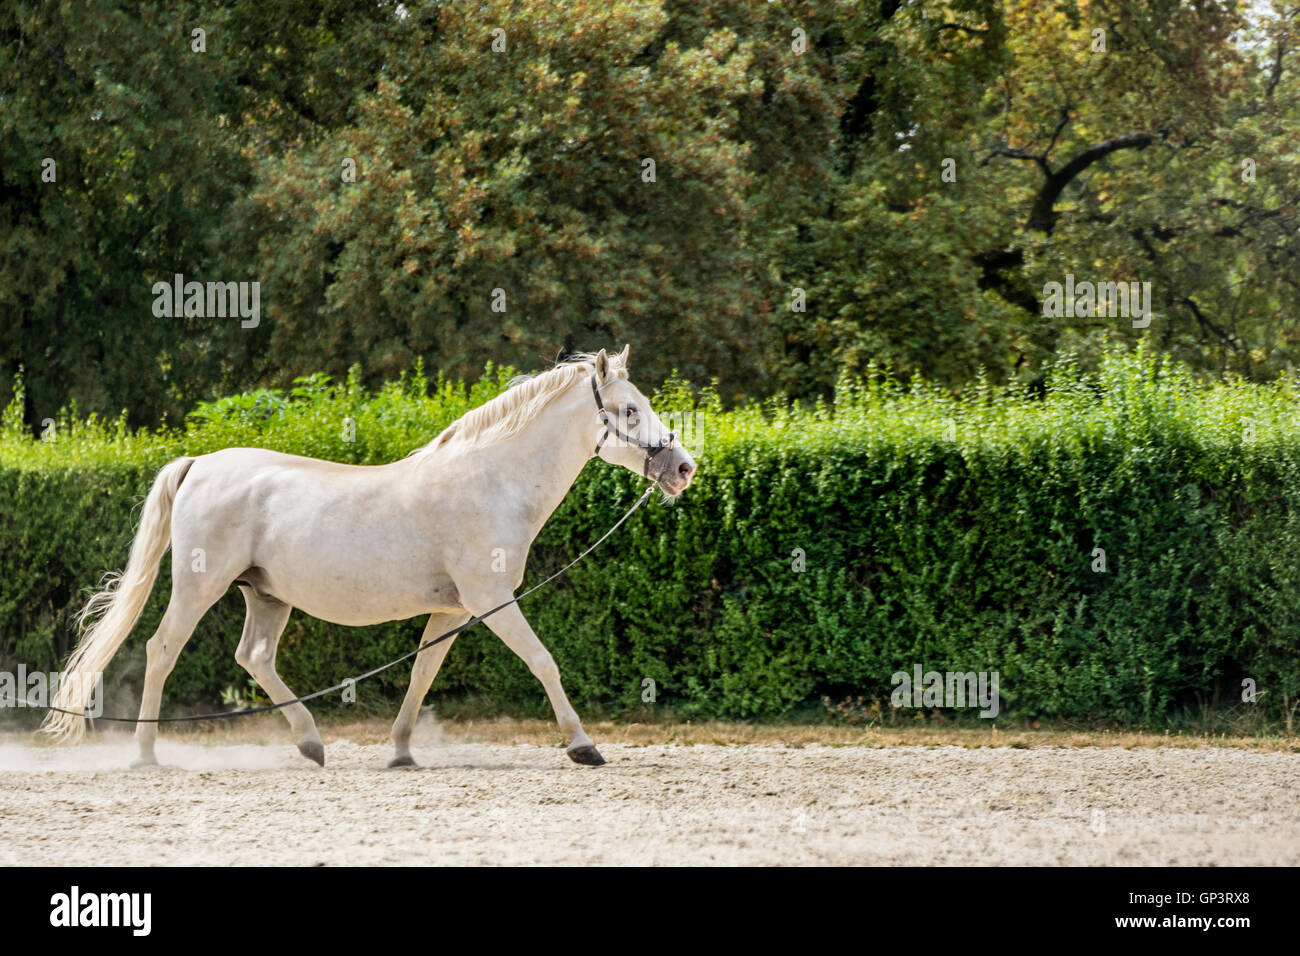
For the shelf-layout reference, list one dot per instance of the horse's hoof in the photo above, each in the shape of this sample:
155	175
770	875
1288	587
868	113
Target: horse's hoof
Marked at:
313	750
587	755
403	761
139	762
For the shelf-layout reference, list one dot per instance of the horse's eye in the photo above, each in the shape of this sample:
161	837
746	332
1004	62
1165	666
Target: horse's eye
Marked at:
632	418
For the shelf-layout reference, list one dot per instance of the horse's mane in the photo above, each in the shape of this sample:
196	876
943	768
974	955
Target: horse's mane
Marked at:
523	400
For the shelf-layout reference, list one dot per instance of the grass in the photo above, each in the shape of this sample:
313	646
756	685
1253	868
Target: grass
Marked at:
271	729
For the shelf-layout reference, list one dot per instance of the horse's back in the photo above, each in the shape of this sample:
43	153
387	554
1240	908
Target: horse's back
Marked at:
320	533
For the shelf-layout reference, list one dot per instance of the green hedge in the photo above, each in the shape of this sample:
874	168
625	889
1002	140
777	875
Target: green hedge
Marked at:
957	533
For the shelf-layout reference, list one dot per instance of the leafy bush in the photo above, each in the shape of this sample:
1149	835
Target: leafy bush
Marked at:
960	533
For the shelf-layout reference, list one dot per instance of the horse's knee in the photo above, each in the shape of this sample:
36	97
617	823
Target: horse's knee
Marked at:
158	653
543	666
252	658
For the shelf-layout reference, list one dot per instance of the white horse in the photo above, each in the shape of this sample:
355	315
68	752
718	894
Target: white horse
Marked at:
445	532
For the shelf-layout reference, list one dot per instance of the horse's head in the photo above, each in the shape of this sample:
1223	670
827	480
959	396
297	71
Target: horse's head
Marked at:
627	432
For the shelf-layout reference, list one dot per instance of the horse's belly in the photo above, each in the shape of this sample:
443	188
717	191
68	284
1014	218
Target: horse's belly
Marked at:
356	600
341	543
346	579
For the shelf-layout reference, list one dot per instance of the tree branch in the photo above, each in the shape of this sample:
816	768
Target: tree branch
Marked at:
992	264
1043	215
1018	154
1277	67
1207	324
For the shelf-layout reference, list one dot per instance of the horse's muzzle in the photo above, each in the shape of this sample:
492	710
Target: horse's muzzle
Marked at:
678	471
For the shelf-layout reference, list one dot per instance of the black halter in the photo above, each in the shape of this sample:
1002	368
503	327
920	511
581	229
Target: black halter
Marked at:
651	448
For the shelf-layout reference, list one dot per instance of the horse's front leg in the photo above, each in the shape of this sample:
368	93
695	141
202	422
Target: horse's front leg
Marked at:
510	625
423	671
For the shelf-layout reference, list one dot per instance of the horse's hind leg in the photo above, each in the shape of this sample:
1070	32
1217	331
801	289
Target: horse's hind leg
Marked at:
423	671
256	654
174	630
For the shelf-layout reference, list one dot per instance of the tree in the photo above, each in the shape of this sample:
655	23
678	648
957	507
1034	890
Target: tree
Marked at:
564	188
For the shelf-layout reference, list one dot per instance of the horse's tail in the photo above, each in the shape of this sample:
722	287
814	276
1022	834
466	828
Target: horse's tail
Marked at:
112	611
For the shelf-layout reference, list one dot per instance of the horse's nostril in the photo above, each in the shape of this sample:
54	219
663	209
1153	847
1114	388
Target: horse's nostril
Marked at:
685	469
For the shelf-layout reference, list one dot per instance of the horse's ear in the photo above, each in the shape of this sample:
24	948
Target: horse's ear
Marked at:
622	356
602	366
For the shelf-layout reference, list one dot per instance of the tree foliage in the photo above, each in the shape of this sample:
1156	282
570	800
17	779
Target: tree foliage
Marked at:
919	171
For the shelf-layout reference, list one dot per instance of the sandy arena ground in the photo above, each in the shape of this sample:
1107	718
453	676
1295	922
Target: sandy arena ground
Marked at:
477	800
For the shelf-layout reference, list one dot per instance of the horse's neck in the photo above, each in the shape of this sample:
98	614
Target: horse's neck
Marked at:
546	456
